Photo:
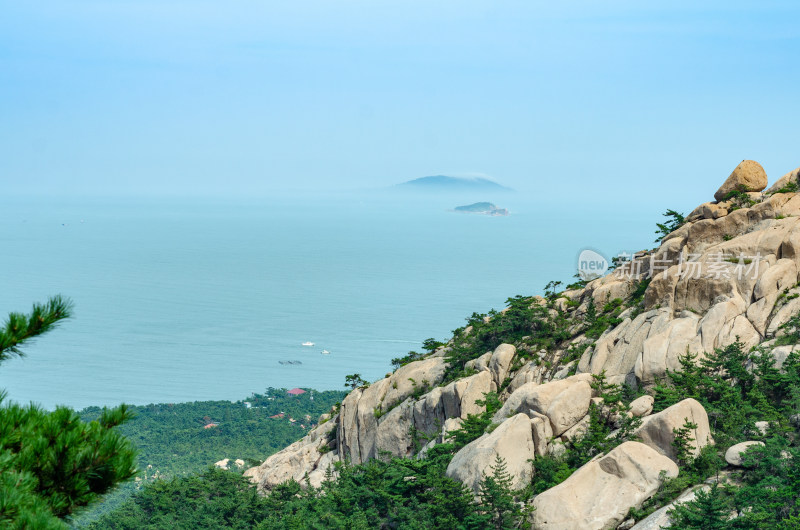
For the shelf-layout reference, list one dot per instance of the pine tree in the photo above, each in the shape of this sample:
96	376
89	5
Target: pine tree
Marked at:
683	442
708	511
497	497
354	381
51	462
673	222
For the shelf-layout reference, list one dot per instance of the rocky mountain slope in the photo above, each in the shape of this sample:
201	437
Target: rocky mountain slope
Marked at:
727	274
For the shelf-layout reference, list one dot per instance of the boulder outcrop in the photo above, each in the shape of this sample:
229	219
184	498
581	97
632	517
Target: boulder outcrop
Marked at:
748	176
600	494
512	441
656	431
788	182
564	402
642	406
733	455
292	463
717	277
500	362
374	419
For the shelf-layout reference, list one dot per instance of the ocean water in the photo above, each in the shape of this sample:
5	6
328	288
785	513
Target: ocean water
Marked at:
198	299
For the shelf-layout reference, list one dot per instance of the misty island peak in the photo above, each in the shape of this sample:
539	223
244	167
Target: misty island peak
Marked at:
447	183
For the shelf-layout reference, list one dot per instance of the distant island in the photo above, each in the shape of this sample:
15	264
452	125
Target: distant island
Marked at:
445	183
484	208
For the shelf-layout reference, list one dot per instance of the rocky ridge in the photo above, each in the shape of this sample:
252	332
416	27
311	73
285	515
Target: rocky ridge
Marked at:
728	273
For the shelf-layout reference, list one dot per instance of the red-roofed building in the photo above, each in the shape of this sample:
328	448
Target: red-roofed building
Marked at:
276	416
210	425
296	391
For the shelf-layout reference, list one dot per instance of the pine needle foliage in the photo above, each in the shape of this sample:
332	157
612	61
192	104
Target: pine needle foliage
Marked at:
708	511
525	320
737	388
52	463
683	442
674	220
20	328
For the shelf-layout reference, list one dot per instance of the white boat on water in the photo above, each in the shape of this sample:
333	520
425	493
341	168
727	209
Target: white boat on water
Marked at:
308	344
325	352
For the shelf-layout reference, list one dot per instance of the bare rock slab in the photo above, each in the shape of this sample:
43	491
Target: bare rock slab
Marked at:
599	495
656	430
512	441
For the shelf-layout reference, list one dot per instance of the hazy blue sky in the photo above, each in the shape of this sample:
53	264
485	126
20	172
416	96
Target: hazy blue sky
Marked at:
610	100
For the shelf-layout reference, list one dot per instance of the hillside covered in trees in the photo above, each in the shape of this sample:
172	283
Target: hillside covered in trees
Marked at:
179	439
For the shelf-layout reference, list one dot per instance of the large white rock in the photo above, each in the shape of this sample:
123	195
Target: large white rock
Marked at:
781	353
542	431
611	287
708	210
293	462
748	176
733	455
600	494
781	316
474	389
500	362
577	431
642	406
760	311
616	352
569	406
365	425
393	434
777	277
792	177
663	348
656	430
530	372
564	402
457	399
719	318
512	440
407	379
479	363
358	423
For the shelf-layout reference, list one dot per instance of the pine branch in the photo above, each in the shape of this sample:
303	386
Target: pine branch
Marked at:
20	328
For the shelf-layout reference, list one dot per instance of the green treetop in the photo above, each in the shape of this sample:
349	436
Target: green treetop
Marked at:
51	463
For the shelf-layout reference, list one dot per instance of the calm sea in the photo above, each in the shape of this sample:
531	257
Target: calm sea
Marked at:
181	300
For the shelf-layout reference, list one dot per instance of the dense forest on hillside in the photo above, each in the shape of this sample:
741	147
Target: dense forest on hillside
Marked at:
392	492
178	439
